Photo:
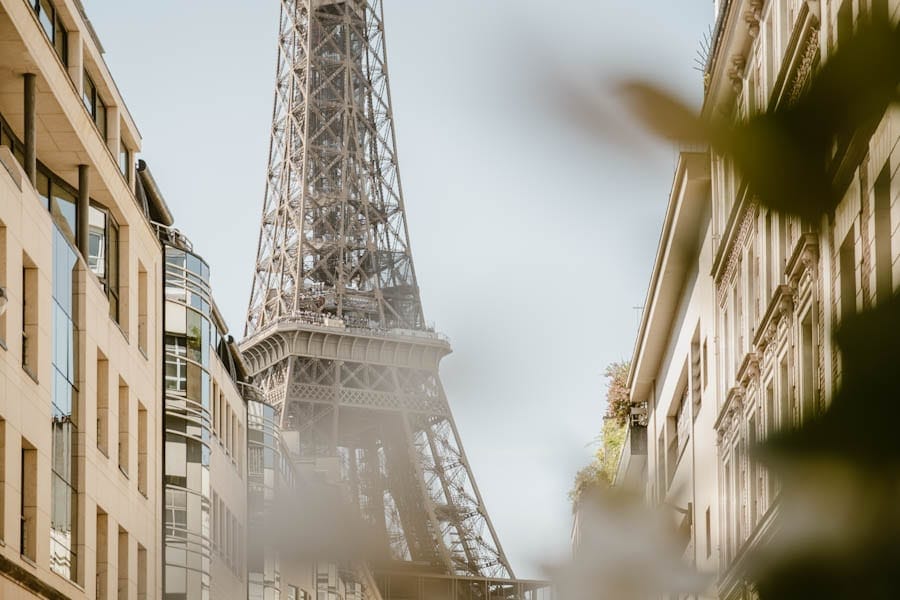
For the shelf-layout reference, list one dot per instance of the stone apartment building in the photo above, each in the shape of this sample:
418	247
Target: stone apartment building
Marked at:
736	336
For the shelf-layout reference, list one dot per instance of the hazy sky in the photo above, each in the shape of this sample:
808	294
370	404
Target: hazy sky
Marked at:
533	243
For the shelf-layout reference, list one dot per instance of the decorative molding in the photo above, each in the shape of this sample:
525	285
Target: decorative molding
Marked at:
781	304
749	369
752	17
805	67
736	72
736	248
730	413
815	11
804	258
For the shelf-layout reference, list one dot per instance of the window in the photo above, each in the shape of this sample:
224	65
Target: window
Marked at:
2	478
807	368
102	403
142	449
215	408
738	316
125	161
97	242
124	428
142	573
53	28
771	53
786	397
29	317
239	450
705	365
682	424
28	501
696	375
768	248
142	308
755	472
229	423
176	363
123	563
62	207
4	289
884	285
844	22
848	276
64	529
671	450
43	187
102	555
729	503
213	519
94	104
708	534
112	278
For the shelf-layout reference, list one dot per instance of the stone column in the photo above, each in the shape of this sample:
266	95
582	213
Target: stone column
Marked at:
82	211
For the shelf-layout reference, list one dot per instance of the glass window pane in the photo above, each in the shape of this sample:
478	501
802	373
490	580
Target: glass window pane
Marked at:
89	94
97	242
124	159
100	117
45	16
43	188
64	206
61	42
112	277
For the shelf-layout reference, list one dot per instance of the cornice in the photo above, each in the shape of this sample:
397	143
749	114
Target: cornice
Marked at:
732	244
804	258
781	304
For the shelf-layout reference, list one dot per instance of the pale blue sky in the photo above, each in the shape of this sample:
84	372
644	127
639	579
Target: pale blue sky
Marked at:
532	242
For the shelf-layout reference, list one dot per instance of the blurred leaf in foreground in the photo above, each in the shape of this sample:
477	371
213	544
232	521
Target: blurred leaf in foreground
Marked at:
625	551
783	153
839	526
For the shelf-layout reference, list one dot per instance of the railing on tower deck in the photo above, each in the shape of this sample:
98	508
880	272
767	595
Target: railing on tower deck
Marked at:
397	585
356	326
251	392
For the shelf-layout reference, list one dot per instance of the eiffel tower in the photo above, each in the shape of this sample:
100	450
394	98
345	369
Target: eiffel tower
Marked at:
335	331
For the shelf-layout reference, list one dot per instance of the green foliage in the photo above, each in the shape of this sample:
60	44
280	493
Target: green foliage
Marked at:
612	440
601	472
618	405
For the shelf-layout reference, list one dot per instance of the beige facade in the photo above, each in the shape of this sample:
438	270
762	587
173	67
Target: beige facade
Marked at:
97	379
228	481
743	302
80	429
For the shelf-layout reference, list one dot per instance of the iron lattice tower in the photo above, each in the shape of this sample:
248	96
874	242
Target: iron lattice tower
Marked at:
335	329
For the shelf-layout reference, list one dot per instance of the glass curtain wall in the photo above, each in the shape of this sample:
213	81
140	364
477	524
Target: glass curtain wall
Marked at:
60	198
63	487
187	427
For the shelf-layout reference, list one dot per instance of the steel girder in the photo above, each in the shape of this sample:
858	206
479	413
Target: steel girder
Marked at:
334	253
333	235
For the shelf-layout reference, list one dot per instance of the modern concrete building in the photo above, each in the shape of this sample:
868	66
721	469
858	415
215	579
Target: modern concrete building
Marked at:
736	337
80	266
123	464
205	420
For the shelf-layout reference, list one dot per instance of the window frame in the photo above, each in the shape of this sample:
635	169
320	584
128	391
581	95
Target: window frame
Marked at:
57	35
93	102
